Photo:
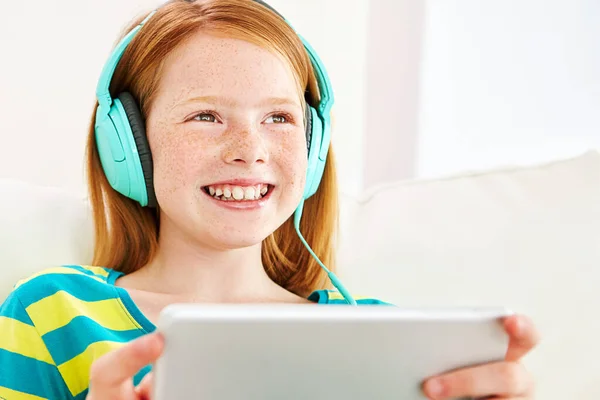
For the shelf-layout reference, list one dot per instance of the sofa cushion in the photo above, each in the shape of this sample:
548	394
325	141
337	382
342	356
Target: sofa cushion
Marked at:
40	227
527	238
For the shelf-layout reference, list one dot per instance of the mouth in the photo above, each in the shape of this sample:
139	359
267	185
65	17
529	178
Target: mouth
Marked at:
239	193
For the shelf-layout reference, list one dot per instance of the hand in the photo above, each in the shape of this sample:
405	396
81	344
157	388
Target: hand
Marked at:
111	376
507	379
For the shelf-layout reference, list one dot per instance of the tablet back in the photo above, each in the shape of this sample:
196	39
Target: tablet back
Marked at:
251	352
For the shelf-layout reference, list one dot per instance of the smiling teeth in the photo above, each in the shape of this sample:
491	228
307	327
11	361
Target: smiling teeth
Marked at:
237	193
248	194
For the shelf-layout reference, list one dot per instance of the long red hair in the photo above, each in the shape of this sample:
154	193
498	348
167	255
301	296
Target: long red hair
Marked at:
126	234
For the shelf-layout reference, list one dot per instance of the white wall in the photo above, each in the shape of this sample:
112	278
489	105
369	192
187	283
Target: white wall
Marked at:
52	55
508	82
394	48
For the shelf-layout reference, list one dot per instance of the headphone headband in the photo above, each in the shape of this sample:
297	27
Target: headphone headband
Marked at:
326	97
103	87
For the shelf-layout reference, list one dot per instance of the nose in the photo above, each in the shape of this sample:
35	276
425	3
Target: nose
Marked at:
245	145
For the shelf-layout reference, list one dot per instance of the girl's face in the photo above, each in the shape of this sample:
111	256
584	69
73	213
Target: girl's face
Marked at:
228	143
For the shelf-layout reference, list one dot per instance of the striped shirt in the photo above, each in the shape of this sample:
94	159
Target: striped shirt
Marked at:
55	323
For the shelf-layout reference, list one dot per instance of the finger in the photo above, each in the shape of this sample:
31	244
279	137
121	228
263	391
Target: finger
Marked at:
114	369
523	336
144	389
506	379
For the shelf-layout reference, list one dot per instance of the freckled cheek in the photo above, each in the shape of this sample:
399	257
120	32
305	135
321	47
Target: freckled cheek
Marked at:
175	165
293	160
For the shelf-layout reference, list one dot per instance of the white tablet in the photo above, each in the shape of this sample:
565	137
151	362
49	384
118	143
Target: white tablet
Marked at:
318	352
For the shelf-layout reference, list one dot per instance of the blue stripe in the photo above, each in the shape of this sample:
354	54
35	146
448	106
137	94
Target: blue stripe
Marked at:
72	339
80	286
135	312
322	297
372	302
27	375
137	378
87	271
13	308
361	302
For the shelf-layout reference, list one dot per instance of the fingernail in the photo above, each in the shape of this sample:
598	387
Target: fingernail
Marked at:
435	388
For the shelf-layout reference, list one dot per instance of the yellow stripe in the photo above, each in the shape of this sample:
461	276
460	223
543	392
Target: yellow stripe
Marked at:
76	371
58	310
10	394
56	270
334	296
18	337
338	296
97	270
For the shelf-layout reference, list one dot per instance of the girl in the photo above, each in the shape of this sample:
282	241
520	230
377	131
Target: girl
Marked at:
210	132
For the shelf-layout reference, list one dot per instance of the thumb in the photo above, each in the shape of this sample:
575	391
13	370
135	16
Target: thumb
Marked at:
524	336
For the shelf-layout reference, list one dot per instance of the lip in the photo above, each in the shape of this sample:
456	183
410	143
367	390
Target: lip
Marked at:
240	205
240	182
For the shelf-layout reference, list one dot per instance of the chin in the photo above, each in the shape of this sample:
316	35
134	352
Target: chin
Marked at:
239	231
226	226
236	240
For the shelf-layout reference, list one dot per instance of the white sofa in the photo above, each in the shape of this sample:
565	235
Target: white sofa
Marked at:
526	238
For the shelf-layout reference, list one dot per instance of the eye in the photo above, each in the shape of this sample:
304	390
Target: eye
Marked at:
279	119
204	117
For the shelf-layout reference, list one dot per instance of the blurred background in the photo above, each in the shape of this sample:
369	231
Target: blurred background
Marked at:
424	88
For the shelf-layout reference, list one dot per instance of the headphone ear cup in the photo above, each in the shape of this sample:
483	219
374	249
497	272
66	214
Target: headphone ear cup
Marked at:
316	167
138	131
308	122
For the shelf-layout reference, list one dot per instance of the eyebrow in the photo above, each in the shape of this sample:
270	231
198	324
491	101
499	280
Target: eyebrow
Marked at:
231	102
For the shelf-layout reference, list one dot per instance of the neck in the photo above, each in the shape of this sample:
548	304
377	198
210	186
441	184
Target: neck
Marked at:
188	271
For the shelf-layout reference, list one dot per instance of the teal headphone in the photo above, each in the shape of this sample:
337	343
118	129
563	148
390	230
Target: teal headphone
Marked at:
125	153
